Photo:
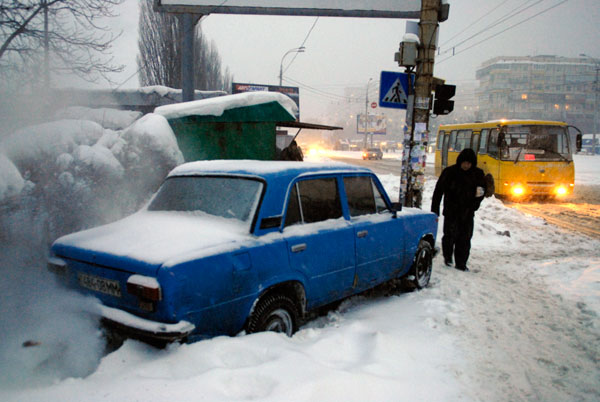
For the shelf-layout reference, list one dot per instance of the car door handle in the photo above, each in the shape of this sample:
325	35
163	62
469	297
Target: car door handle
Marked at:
296	248
362	233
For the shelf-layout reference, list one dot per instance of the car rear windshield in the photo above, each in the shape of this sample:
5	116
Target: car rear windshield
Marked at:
227	197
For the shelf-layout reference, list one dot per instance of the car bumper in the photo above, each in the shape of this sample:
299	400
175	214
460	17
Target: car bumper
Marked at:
136	327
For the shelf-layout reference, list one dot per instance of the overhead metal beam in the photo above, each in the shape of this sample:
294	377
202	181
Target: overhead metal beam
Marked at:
326	8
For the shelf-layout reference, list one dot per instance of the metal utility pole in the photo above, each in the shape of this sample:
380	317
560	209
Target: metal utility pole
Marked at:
367	115
300	49
428	25
596	89
46	48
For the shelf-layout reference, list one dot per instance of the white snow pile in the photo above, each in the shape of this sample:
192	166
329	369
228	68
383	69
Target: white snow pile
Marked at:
85	174
217	106
57	178
107	118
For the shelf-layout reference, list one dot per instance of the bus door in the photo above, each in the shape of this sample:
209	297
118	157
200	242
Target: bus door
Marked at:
445	150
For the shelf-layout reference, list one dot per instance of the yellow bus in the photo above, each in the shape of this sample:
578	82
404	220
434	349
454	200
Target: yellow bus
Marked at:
527	158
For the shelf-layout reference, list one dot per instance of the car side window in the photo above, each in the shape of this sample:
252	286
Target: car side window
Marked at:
319	200
359	192
379	200
293	215
363	196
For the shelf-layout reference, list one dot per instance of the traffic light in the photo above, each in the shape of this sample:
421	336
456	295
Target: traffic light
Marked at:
442	103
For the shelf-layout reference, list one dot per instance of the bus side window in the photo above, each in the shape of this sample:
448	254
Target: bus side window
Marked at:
475	142
451	144
440	140
483	141
493	143
463	140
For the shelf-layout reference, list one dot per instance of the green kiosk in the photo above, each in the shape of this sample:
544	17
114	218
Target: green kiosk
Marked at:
241	126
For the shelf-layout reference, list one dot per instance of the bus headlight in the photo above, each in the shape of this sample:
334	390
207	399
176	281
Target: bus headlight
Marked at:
560	190
517	190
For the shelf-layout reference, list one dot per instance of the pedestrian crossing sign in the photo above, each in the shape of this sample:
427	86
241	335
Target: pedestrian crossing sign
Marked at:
393	89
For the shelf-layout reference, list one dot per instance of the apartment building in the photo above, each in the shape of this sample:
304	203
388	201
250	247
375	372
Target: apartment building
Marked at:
540	87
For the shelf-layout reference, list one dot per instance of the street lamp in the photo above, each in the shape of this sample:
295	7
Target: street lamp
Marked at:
294	50
366	113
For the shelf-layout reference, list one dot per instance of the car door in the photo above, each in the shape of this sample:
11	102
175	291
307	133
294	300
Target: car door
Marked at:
320	241
378	235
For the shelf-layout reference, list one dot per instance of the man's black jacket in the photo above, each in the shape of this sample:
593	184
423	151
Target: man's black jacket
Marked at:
459	188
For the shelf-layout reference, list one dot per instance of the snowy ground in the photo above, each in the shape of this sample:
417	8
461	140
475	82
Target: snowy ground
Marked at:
522	325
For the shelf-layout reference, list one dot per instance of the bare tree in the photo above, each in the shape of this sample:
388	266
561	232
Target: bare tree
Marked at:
68	30
159	58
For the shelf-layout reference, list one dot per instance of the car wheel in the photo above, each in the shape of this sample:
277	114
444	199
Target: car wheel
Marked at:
422	265
277	313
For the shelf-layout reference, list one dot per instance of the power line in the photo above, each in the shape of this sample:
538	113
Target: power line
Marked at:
504	30
471	24
512	13
302	45
319	92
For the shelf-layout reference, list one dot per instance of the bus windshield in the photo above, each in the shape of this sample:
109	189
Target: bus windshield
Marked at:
535	143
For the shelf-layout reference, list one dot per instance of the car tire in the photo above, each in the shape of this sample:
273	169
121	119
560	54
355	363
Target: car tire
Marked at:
275	312
422	265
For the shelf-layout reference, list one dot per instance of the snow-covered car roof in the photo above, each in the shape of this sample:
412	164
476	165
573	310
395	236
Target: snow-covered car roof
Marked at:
263	169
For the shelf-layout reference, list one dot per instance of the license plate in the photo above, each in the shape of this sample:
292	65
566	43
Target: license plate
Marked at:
98	284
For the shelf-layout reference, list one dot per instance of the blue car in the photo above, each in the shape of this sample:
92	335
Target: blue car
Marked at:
227	246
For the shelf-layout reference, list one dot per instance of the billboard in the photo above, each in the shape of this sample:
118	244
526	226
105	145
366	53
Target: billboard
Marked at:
292	92
376	124
326	8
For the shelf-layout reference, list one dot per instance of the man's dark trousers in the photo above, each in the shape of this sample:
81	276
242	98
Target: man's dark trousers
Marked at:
457	237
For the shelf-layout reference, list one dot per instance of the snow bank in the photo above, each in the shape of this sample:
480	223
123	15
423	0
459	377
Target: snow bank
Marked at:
107	118
56	178
11	181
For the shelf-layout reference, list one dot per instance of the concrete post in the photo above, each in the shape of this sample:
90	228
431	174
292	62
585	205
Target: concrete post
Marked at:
186	32
428	26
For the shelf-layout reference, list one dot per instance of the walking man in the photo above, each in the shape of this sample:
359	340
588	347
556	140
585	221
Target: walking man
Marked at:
463	186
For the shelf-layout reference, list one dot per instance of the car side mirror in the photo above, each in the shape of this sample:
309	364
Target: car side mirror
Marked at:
396	207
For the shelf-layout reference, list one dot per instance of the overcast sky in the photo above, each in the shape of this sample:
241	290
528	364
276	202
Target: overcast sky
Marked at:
347	52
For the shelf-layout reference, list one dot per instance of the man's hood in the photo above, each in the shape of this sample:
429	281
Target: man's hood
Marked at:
467	155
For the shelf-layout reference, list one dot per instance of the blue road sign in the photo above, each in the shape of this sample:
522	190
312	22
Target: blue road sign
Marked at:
393	89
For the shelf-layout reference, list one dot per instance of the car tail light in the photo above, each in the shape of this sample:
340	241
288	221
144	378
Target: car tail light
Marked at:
147	290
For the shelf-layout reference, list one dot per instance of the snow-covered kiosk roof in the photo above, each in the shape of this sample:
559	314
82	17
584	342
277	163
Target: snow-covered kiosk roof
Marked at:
240	126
